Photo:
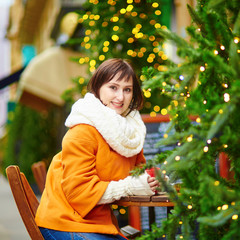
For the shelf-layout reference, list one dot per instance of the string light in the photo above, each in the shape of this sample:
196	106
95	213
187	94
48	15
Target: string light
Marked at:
234	217
189	206
220	111
225	207
156	108
81	80
155	5
205	149
164	111
153	114
209	141
236	40
190	138
115	37
198	120
123	11
215	52
165	135
202	68
226	97
177	158
216	183
222	47
181	77
101	57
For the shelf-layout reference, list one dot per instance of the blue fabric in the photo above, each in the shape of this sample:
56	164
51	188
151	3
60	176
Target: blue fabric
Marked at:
49	234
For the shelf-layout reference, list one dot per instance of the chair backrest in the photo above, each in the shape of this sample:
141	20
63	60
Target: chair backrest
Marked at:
25	199
39	172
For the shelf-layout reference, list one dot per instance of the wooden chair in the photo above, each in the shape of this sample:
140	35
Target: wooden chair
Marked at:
39	172
25	199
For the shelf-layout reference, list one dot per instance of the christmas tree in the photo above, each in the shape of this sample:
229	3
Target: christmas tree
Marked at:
204	86
122	29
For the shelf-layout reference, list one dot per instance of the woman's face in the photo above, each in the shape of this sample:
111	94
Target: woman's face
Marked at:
117	94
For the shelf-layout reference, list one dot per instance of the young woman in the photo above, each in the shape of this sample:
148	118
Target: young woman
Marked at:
104	142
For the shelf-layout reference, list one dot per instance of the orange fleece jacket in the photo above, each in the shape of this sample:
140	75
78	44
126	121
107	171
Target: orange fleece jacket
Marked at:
76	180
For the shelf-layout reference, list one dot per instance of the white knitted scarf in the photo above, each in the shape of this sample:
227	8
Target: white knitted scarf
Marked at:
125	135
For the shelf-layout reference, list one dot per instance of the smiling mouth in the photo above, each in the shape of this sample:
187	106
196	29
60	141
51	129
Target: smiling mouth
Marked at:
117	105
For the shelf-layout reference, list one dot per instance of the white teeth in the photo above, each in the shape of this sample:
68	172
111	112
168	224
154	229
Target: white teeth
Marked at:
118	104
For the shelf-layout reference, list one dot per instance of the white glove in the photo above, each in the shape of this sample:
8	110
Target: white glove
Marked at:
129	186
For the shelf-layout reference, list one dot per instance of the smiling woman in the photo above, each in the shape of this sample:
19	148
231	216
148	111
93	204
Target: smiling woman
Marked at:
103	144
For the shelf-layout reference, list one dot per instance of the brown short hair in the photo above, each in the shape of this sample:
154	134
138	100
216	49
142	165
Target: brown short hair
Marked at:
105	73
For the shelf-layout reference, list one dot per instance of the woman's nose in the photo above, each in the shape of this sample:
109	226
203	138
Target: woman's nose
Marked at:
120	95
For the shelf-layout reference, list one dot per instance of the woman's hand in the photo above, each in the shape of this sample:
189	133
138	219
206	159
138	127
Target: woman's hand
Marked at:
153	183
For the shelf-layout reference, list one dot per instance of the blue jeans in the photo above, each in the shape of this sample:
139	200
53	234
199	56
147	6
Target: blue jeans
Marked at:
49	234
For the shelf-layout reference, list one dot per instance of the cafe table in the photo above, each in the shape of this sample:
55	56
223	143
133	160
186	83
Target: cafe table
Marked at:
160	200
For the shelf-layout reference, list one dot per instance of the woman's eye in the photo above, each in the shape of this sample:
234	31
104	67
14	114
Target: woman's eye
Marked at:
113	87
128	89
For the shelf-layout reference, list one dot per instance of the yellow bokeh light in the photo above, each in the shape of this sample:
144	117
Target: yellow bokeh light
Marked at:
205	149
189	206
88	32
122	211
129	52
115	28
177	158
164	111
91	23
114	206
153	114
156	108
155	5
147	94
134	14
190	138
198	120
150	59
101	57
92	63
225	207
81	80
96	17
106	43
123	11
165	135
81	60
86	39
130	40
104	24
105	49
129	8
85	17
114	19
234	217
151	38
164	57
158	12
